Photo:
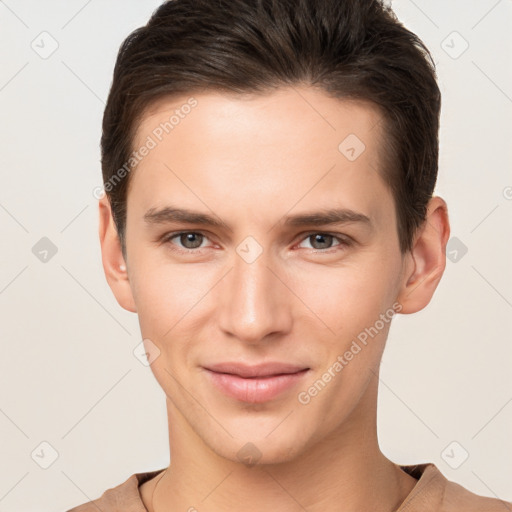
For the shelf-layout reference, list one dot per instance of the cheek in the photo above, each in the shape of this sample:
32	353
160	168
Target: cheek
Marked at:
166	302
164	292
173	306
345	299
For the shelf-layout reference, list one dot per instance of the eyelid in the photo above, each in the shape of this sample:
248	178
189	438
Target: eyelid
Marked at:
344	240
167	237
339	236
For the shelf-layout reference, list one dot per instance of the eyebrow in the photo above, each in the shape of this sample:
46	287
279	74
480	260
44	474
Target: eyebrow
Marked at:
322	217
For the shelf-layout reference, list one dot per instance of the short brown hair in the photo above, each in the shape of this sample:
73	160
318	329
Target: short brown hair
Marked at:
350	49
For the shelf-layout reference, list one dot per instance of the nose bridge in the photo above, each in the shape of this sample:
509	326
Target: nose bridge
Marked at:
253	300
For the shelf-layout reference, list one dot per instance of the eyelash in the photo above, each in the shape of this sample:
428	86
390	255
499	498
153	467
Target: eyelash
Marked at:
343	241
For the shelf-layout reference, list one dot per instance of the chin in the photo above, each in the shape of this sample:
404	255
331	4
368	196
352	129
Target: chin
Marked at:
260	450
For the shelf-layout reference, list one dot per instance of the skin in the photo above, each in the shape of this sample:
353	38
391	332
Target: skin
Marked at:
250	161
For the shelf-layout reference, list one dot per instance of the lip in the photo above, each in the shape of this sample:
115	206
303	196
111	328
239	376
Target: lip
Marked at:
258	384
259	370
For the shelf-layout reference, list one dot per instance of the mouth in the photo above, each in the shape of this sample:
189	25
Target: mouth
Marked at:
269	369
259	388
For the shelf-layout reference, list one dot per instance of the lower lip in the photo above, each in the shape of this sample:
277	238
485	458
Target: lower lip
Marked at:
255	390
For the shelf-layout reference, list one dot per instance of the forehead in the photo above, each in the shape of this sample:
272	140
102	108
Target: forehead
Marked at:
295	112
273	146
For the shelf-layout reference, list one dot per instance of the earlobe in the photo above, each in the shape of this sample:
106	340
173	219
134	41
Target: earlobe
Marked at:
427	259
112	257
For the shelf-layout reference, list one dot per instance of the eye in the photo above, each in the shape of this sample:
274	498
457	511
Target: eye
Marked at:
190	240
323	241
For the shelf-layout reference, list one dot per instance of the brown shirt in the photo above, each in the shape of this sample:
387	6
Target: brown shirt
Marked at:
432	493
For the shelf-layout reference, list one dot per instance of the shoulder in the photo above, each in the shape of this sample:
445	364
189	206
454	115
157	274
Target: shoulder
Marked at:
108	501
459	499
435	493
124	497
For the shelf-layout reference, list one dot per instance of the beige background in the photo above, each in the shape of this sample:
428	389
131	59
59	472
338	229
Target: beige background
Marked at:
69	376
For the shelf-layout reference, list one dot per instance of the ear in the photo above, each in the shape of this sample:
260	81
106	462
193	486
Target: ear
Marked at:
112	257
427	260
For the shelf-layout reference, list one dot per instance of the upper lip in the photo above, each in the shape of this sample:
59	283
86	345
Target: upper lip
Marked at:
259	370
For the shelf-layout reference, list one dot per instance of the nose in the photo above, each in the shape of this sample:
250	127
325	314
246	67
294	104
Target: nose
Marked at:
255	304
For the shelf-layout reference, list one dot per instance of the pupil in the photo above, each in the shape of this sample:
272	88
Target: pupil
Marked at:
189	237
320	238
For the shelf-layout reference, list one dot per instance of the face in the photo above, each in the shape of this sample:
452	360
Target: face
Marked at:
271	279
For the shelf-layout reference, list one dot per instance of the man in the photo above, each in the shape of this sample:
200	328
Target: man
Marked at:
269	169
